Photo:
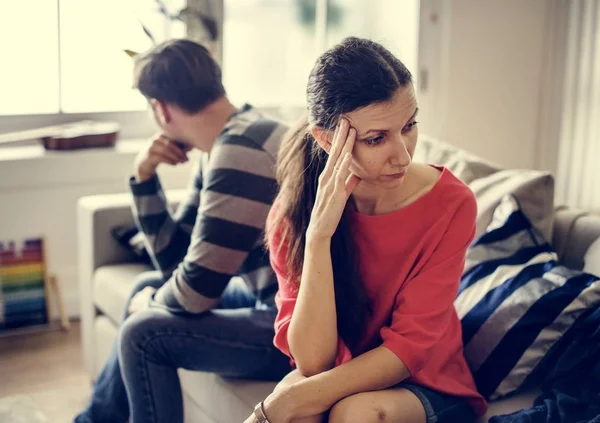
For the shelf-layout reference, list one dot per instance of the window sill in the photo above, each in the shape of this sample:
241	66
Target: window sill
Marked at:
37	152
32	167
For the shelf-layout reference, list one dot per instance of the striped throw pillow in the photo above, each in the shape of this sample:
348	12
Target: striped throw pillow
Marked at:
515	301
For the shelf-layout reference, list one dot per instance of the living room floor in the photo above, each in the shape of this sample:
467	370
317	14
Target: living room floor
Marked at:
48	368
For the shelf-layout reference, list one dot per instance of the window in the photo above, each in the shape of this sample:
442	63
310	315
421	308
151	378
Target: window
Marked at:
29	72
392	23
67	55
268	51
270	46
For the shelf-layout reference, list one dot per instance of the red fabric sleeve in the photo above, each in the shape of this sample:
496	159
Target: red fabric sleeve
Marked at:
424	306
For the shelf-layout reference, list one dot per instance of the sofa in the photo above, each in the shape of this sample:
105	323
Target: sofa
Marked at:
107	271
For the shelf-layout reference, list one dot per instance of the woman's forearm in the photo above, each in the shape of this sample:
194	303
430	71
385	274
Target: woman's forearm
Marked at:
312	335
377	369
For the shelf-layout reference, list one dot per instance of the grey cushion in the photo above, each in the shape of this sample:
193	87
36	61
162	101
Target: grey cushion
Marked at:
463	165
592	257
534	190
112	286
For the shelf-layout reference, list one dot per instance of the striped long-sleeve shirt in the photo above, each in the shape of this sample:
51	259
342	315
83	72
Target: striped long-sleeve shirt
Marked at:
218	232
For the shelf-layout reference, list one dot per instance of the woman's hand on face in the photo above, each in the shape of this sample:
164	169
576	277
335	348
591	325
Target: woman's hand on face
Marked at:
336	183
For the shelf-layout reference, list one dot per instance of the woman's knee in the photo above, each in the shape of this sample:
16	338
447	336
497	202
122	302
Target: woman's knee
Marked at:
356	408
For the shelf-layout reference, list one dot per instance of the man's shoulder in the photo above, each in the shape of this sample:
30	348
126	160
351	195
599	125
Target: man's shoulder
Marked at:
254	129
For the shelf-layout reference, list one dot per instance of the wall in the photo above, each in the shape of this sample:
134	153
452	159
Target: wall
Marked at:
39	192
579	146
486	78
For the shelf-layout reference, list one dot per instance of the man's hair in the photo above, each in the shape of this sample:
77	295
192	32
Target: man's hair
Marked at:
180	72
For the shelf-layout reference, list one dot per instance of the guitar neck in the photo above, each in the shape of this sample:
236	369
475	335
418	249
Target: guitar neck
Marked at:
28	135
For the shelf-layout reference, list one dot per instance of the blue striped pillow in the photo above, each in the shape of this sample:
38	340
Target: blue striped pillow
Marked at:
515	301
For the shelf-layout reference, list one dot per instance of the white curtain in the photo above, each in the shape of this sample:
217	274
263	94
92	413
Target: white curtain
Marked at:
578	175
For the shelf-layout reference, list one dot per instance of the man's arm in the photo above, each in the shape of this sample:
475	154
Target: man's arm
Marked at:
167	237
237	193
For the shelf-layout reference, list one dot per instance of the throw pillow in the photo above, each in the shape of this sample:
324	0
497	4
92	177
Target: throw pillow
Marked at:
515	301
534	190
133	240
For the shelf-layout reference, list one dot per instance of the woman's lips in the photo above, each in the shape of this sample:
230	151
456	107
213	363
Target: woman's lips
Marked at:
396	175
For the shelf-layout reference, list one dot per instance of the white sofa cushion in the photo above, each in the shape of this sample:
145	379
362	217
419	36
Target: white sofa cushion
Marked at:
224	400
112	286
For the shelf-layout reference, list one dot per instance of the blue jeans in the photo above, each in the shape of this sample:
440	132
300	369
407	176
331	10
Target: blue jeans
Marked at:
441	408
234	340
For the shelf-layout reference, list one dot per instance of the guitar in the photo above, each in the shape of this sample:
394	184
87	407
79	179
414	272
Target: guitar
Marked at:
69	136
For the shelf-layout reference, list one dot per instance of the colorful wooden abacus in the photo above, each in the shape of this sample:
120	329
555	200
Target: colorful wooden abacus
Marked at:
22	285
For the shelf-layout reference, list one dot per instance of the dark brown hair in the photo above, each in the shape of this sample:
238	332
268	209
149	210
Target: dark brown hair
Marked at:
353	74
180	72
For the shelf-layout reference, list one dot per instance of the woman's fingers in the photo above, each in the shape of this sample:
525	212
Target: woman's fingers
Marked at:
342	170
345	179
346	156
337	144
348	145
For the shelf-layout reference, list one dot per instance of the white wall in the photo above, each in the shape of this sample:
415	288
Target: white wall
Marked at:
39	192
578	180
485	62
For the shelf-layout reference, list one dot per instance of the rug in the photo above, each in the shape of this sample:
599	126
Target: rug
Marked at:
20	409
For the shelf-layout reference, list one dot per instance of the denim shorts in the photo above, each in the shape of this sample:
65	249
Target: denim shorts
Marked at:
441	408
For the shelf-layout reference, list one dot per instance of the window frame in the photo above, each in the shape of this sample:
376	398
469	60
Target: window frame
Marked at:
136	124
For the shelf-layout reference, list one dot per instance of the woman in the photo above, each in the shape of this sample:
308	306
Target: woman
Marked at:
368	248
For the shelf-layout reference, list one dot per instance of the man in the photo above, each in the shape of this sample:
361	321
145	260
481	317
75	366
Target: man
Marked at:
210	305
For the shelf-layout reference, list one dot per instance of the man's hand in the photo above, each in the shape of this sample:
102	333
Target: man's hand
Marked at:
160	150
141	300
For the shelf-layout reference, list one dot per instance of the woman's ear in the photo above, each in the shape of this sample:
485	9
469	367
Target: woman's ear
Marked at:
323	137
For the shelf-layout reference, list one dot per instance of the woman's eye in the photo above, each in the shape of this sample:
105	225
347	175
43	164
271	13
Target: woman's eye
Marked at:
410	126
375	140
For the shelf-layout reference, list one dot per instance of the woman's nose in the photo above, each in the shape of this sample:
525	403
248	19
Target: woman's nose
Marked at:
400	156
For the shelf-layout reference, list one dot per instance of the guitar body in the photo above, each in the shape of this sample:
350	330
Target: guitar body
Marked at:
70	136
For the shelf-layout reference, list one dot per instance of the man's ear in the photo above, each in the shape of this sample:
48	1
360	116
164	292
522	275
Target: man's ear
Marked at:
161	111
323	138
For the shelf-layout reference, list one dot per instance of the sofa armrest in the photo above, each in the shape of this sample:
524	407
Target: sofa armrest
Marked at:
574	231
96	216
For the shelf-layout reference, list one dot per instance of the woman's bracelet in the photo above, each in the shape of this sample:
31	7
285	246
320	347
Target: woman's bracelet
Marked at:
259	413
